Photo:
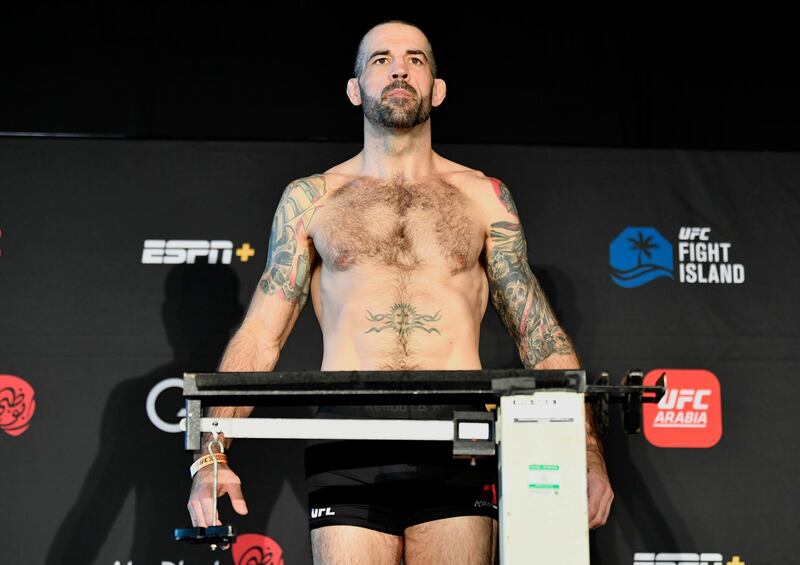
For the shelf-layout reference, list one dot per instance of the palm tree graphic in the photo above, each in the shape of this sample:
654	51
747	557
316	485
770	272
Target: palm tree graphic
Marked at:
643	245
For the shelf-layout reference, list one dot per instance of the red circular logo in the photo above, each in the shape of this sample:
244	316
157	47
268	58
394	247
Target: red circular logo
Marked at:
256	549
16	405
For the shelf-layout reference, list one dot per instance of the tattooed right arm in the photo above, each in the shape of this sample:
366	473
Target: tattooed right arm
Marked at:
282	291
526	313
517	295
288	270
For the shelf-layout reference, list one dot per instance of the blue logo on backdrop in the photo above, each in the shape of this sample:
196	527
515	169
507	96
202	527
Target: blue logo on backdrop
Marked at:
639	255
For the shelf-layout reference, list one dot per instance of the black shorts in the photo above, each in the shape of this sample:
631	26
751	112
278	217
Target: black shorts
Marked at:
389	486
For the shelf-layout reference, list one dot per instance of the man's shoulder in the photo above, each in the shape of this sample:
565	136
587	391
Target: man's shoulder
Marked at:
316	180
490	194
466	177
303	193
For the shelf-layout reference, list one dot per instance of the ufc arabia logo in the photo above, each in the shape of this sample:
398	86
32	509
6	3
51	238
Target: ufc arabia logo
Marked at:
690	412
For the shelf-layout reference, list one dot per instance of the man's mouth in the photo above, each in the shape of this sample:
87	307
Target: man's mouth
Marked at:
400	92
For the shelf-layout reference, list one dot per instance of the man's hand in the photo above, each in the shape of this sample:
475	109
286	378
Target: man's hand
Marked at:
600	496
201	498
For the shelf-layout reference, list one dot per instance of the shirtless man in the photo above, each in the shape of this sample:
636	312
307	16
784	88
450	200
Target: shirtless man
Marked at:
400	250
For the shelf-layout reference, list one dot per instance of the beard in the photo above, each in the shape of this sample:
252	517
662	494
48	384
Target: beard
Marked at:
396	112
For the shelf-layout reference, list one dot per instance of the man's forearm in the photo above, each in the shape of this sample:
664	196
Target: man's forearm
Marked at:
243	354
594	448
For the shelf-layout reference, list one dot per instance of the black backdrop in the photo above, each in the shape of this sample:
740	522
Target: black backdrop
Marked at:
700	75
93	331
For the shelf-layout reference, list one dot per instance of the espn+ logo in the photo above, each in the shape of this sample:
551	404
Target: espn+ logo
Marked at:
690	412
677	558
684	559
180	251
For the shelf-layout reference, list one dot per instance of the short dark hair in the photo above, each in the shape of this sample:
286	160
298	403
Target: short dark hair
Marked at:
358	68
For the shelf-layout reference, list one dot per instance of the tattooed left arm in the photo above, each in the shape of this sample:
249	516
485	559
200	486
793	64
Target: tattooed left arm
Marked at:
528	317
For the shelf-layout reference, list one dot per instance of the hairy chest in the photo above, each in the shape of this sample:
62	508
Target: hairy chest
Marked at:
397	224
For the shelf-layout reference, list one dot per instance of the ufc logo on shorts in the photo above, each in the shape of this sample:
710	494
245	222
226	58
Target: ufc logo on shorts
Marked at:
677	558
320	512
179	251
690	412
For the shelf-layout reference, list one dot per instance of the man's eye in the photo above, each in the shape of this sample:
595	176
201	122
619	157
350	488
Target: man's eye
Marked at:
416	60
380	60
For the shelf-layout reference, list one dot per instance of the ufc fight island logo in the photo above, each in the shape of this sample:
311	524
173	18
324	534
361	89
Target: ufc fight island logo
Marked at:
690	412
639	255
189	251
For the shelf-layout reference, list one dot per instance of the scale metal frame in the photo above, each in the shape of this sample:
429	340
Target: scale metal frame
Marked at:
538	433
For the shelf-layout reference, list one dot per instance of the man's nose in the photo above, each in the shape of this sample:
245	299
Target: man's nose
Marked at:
399	70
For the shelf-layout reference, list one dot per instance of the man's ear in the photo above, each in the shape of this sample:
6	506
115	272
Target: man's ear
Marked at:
439	92
353	92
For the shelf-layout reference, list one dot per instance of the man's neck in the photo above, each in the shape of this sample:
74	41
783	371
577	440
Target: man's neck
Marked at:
397	153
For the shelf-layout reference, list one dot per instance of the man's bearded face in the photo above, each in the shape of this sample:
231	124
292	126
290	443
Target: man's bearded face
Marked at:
396	112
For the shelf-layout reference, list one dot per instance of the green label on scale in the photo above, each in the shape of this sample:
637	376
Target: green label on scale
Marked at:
544	479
